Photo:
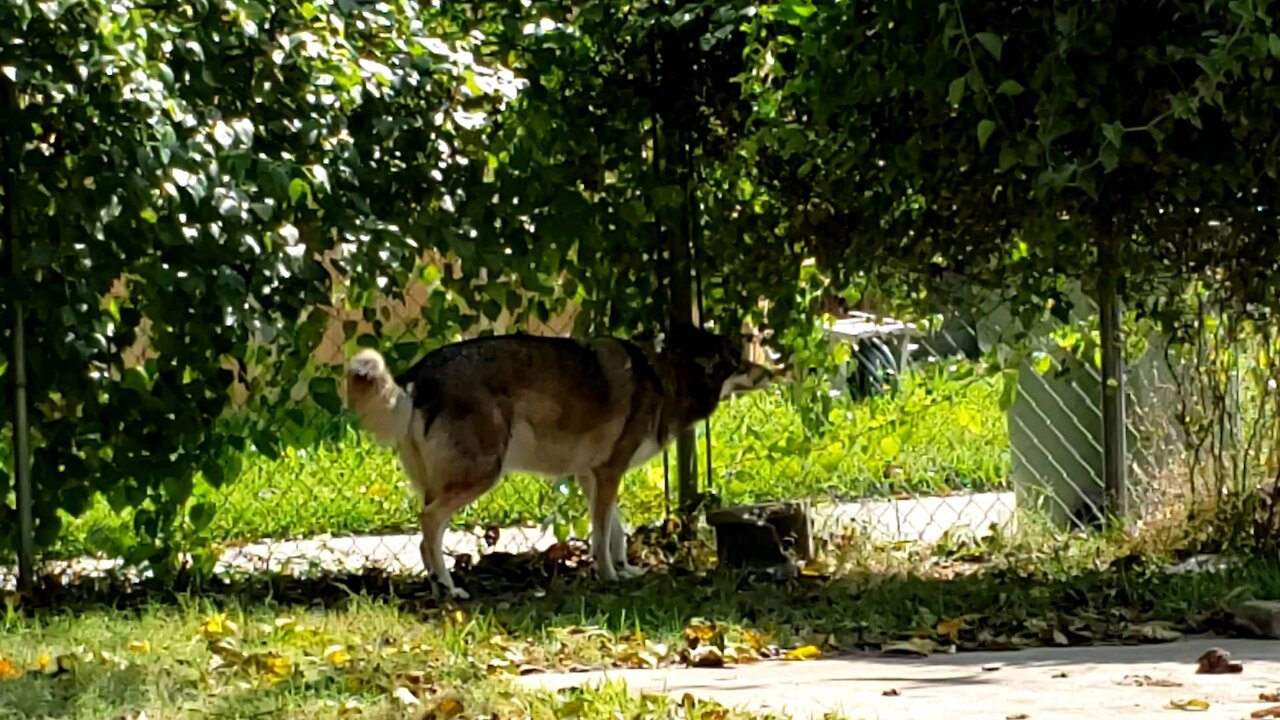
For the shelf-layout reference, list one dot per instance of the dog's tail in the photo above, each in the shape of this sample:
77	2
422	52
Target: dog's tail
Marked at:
384	408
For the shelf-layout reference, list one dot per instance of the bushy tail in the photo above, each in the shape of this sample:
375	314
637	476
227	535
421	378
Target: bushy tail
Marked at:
384	408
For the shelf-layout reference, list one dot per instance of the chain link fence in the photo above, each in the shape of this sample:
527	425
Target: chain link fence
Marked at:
931	428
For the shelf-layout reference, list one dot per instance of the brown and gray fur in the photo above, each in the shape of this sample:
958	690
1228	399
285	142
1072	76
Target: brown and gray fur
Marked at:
469	413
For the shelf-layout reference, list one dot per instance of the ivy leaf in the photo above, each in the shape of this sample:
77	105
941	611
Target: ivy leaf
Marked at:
1114	133
992	42
985	128
1011	88
955	91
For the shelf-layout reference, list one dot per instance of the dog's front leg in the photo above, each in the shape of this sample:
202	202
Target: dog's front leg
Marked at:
433	521
602	492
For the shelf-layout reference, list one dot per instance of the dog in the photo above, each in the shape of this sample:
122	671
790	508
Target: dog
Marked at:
473	411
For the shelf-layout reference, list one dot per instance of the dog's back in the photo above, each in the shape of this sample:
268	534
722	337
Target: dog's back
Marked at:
553	406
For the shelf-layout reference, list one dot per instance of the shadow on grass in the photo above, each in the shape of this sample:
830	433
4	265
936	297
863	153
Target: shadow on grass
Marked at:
536	594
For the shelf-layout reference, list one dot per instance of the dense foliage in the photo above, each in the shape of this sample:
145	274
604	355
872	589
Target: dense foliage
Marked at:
207	176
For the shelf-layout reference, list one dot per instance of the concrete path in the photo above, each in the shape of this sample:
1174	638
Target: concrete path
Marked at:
1037	684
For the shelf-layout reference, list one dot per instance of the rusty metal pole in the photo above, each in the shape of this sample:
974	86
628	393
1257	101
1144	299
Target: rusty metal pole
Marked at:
1114	426
681	288
21	428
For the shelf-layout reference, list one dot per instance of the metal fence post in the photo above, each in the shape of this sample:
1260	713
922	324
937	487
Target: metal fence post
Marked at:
1114	453
21	428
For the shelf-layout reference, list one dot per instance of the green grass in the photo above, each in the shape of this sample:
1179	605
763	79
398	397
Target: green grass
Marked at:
936	434
338	649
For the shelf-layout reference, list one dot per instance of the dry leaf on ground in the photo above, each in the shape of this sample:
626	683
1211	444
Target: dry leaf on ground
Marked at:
891	693
1158	631
804	652
1271	712
1217	661
1192	705
1269	696
917	647
1148	681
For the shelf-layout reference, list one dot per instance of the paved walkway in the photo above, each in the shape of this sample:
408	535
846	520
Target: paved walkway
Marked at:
1036	684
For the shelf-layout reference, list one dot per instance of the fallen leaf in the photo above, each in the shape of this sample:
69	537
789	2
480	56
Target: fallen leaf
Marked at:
920	647
804	652
9	671
405	697
1217	661
217	627
449	707
1269	696
1147	681
891	693
1271	712
67	663
1059	675
1156	631
707	656
1192	705
950	628
139	646
1017	716
337	655
274	667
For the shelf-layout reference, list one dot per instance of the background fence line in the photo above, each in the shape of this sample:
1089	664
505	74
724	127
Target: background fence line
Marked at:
926	398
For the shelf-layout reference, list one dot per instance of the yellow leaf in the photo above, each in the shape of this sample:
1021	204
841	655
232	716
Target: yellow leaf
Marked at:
449	707
1192	705
804	652
950	628
274	667
755	640
337	655
139	646
217	627
9	671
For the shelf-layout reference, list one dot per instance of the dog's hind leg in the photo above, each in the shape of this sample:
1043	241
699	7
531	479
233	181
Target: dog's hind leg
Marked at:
434	521
617	535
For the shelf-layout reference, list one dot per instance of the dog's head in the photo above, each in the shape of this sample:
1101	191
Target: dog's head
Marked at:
725	361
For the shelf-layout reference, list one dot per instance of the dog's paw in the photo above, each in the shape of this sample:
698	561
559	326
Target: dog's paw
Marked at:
627	571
